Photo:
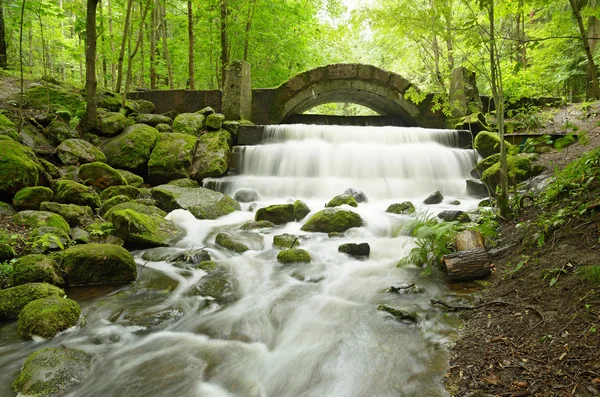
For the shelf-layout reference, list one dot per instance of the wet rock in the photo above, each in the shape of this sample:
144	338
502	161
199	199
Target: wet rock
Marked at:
361	250
202	203
434	198
79	151
332	220
53	372
246	196
155	320
228	242
215	286
143	229
190	257
189	123
171	158
358	195
293	255
454	202
30	198
300	210
476	188
159	254
278	214
406	207
342	199
48	316
36	269
452	216
71	192
111	123
484	203
211	158
257	225
285	241
100	175
13	299
488	143
399	314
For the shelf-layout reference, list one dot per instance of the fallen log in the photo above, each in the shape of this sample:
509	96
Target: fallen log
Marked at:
467	265
468	240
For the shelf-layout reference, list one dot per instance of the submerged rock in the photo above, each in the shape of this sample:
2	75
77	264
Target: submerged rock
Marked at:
361	250
300	210
293	255
399	314
278	214
48	316
14	299
332	220
358	195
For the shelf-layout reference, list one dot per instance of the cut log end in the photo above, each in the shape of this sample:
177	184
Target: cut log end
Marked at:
467	265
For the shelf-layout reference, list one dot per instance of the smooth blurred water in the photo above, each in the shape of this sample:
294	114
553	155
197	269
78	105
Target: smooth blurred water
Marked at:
284	330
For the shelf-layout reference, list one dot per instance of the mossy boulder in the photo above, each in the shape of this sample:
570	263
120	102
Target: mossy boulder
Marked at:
75	215
293	255
130	191
6	209
36	269
53	99
434	198
202	203
132	149
78	151
13	299
111	202
137	207
342	199
405	207
251	225
519	169
7	252
100	175
8	128
164	128
212	155
60	131
18	168
154	120
88	264
30	198
399	314
278	214
111	123
47	238
50	168
144	230
35	219
214	121
206	111
144	106
484	164
476	187
53	372
358	194
215	286
48	316
332	220
488	143
454	216
184	182
111	101
300	210
71	192
189	123
227	241
131	178
171	158
285	241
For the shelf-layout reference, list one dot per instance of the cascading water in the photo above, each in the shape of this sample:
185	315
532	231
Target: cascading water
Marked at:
282	330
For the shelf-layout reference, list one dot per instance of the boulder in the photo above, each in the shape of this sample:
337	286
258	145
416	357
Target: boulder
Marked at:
476	188
8	128
399	314
71	192
488	143
75	215
405	207
36	269
35	219
141	106
154	120
137	207
358	195
454	216
251	225
60	131
519	169
362	250
300	210
79	236
189	123
53	372
78	151
130	191
30	198
36	140
285	241
164	128
202	203
100	175
228	242
111	123
68	172
50	168
215	286
484	164
193	258
332	220
13	299
47	317
140	230
342	199
6	209
88	264
434	198
131	150
293	255
214	121
279	214
184	182
246	195
171	158
53	98
18	168
206	111
212	155
111	101
111	202
131	178
44	239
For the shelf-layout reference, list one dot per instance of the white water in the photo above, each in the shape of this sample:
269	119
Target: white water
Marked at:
286	331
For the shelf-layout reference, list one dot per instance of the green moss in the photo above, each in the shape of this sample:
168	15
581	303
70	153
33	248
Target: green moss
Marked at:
48	316
293	255
60	131
207	266
143	231
285	241
47	238
137	207
79	151
131	178
332	220
185	182
130	191
75	215
100	175
212	155
71	192
53	99
30	198
189	123
111	123
36	268
101	229
50	168
342	199
405	207
8	128
171	158
34	219
256	225
111	202
488	143
131	150
216	287
278	214
109	100
6	252
154	120
18	168
300	210
484	164
226	241
13	299
519	169
202	203
97	264
6	209
214	121
6	271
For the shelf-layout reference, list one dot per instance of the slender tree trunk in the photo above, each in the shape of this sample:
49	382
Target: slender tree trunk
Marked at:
63	71
123	46
248	28
104	62
224	41
166	47
113	67
593	91
435	45
3	57
30	37
593	26
91	118
22	97
43	42
153	23
192	83
134	52
449	38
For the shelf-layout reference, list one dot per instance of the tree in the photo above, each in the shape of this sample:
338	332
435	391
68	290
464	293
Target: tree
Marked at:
91	117
224	41
3	56
593	91
123	46
192	84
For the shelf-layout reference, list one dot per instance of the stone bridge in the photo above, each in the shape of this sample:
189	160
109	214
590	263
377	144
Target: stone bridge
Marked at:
366	85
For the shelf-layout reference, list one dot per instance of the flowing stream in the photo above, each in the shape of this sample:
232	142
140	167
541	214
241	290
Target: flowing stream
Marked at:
283	330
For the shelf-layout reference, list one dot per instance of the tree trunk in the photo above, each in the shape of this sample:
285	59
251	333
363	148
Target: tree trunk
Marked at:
593	91
166	47
248	28
134	52
468	240
192	84
113	67
91	118
3	57
224	41
153	24
104	61
22	97
467	265
123	46
593	26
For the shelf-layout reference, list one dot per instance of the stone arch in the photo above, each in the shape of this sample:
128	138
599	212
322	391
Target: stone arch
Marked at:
366	85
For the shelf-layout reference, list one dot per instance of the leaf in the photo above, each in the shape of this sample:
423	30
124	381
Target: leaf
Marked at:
553	281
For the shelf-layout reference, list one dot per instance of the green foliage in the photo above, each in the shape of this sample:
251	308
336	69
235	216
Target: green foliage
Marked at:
590	273
101	229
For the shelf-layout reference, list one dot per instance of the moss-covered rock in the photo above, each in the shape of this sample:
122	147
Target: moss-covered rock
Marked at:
278	214
488	143
206	111
137	207
100	175
293	255
214	121
50	168
154	120
18	168
111	123
342	199
144	230
251	225
53	372
171	158
79	151
164	128
53	99
111	202
215	286
36	269
484	164
71	192
189	123
48	316
228	242
300	210
131	178
130	191
30	198
75	215
454	216
202	203
212	155
434	198
6	209
6	252
476	187
131	150
34	219
285	241
144	107
60	131
332	220
8	128
68	172
46	239
405	207
13	299
362	250
111	101
399	314
184	182
519	169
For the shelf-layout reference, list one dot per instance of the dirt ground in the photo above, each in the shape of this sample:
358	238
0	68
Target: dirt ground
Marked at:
528	335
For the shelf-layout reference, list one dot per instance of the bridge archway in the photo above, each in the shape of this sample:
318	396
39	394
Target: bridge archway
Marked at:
366	85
